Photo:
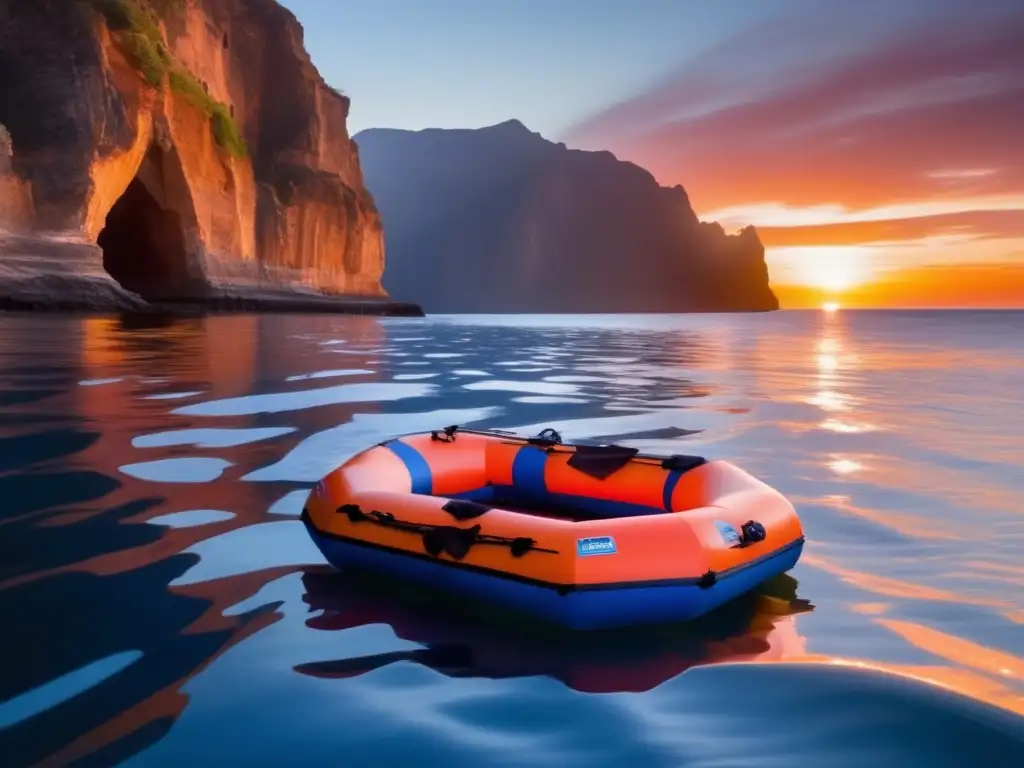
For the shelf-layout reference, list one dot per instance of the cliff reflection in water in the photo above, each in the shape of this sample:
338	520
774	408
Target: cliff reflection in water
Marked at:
78	560
158	587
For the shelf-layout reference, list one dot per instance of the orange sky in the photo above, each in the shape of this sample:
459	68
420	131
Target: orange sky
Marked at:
889	172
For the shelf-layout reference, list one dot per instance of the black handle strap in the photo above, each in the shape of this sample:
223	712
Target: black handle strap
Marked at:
438	539
446	435
545	438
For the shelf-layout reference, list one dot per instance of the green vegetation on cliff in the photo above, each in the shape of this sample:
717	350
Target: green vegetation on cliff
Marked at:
225	129
137	32
138	35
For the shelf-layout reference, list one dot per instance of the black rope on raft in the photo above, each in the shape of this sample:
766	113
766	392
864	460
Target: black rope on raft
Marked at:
446	435
547	438
444	538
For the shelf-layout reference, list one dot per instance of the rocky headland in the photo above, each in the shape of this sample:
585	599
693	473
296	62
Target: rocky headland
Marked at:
499	219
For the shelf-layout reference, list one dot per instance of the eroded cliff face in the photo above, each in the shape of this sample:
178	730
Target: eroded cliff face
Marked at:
501	220
182	147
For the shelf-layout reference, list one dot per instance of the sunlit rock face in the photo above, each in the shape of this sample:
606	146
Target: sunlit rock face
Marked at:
501	220
209	158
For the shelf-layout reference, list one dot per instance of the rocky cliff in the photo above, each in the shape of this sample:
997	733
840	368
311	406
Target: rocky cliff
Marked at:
179	149
501	220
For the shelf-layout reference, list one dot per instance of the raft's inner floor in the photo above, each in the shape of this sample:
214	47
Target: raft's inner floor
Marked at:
554	511
560	506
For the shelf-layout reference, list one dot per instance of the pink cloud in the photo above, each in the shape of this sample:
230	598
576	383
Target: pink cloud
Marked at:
891	122
1002	225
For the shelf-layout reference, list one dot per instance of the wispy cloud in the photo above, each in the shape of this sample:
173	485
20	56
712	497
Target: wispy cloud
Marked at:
980	224
857	125
782	215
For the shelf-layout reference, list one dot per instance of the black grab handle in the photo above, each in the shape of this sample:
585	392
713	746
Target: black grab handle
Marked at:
546	437
752	532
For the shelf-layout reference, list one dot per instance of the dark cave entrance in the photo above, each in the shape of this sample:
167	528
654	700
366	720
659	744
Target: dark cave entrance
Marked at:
143	241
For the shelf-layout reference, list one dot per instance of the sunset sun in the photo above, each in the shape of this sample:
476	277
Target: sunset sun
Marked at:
836	268
827	272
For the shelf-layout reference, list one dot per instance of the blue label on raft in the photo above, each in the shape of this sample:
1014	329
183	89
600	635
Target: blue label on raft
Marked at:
729	534
595	545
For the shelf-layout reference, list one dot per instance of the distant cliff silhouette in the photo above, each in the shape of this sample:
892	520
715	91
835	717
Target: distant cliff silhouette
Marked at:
501	220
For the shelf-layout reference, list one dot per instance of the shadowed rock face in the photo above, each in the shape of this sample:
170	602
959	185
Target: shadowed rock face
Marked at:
137	224
92	146
501	220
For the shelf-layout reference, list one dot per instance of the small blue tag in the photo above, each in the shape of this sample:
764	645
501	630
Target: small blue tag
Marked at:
595	545
729	534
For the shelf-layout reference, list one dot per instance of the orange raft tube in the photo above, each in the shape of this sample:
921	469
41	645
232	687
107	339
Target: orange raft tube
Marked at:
587	537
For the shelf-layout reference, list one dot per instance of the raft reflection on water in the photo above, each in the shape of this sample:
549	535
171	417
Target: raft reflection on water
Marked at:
465	639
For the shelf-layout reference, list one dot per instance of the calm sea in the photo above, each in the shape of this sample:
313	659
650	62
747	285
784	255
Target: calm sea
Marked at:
162	605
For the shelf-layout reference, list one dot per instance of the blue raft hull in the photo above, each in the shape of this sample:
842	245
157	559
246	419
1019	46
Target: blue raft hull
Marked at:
576	608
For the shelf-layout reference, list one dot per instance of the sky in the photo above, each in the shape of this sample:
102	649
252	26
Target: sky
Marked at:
878	146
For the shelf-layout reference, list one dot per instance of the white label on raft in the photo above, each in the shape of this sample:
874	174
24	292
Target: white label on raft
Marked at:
595	545
729	534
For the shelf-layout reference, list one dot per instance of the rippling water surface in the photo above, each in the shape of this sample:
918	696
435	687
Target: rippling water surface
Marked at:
162	605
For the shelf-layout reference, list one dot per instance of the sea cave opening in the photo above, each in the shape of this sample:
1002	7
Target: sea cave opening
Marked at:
143	241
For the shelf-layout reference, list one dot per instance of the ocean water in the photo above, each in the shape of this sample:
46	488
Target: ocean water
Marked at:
162	605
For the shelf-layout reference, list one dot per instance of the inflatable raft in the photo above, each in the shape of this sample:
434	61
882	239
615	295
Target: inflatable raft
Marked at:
585	536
